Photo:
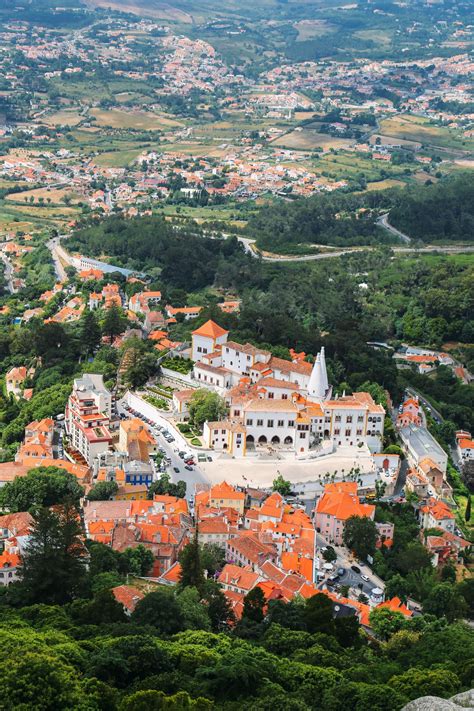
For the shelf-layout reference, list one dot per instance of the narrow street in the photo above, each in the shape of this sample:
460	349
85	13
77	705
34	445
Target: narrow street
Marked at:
350	577
171	449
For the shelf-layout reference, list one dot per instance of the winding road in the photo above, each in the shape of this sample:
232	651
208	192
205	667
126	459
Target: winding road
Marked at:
251	248
383	222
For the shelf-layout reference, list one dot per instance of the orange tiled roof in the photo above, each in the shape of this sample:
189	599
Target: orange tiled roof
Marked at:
243	578
342	505
210	329
173	574
19	524
9	560
396	605
226	491
128	596
438	509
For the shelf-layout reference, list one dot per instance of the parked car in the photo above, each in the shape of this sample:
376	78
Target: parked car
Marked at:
355	568
365	577
188	467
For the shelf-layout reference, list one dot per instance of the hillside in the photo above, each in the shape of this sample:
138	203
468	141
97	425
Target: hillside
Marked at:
337	219
440	212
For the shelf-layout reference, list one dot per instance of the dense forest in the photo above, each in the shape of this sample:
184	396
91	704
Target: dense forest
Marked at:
438	212
430	213
186	260
338	219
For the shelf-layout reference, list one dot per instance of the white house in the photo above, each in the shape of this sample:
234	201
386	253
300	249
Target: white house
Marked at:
206	338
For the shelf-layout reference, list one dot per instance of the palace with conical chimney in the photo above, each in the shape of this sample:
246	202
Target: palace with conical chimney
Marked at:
276	402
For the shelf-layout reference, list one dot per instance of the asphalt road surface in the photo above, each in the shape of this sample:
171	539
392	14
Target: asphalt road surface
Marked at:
196	476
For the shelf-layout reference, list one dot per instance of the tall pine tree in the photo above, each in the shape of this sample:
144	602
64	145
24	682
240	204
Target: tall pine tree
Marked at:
114	323
54	562
89	332
192	570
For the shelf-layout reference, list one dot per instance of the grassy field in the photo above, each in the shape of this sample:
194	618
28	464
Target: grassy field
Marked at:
55	195
308	139
117	159
414	128
228	214
384	184
200	149
309	29
352	165
63	118
381	38
143	120
468	526
46	213
29	218
461	260
151	8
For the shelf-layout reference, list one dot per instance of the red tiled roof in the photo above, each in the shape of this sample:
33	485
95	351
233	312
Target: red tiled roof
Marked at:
128	596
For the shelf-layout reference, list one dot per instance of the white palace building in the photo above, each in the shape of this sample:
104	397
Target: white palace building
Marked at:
285	404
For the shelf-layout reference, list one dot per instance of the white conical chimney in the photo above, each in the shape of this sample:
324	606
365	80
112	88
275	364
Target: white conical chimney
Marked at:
324	373
315	385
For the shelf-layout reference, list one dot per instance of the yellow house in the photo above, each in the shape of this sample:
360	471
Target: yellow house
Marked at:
131	492
225	496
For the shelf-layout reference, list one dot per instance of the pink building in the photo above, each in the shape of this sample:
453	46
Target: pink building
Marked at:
338	503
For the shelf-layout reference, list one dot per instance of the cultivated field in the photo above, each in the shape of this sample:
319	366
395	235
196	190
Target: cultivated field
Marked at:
308	139
385	184
148	8
414	128
143	120
63	118
54	195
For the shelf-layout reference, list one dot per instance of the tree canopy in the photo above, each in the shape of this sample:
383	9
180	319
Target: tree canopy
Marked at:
42	486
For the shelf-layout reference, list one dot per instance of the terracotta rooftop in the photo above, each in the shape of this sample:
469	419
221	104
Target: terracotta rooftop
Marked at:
210	329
